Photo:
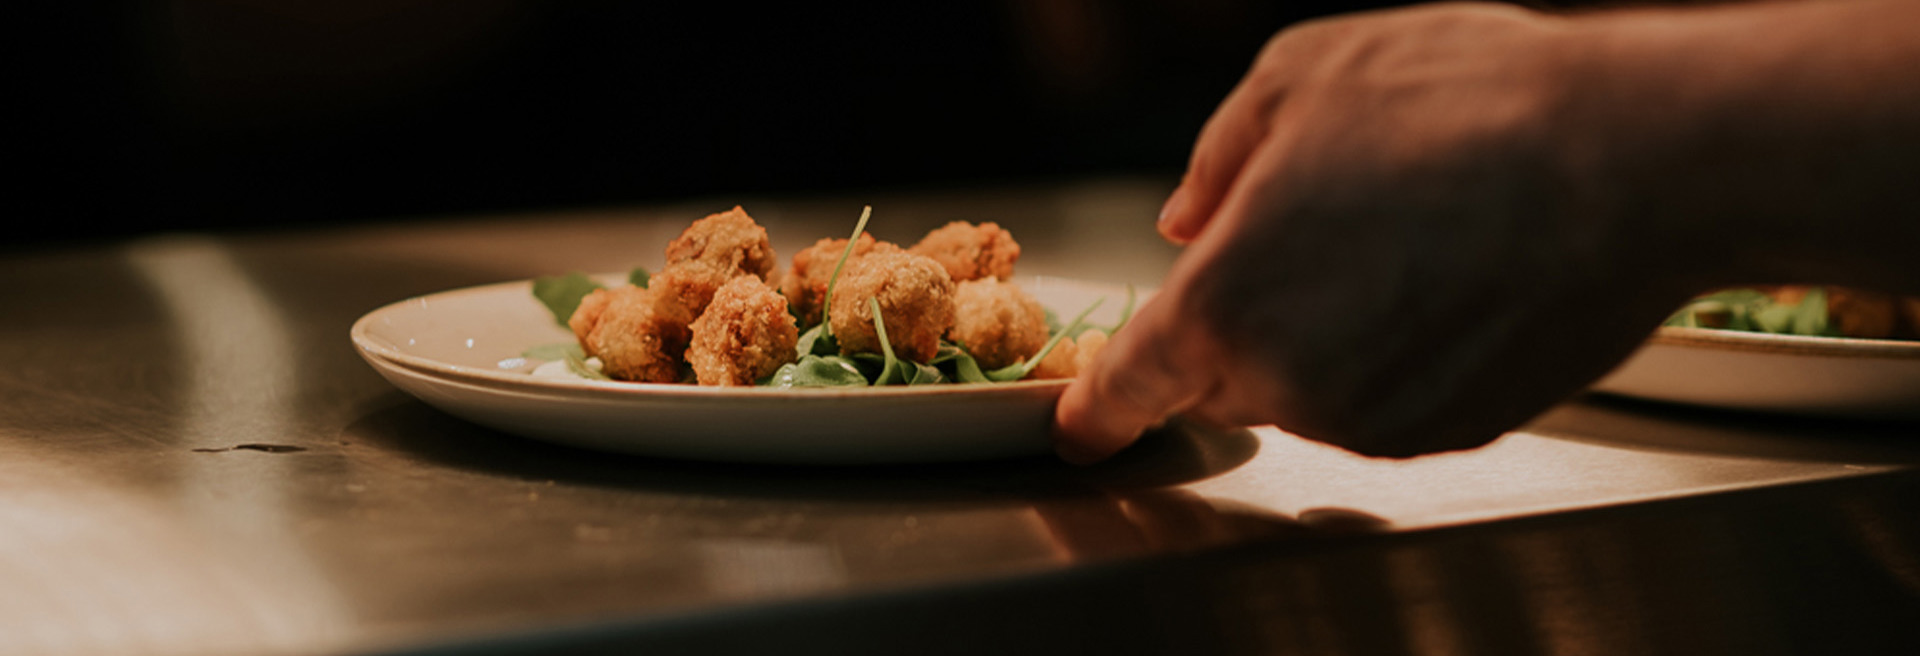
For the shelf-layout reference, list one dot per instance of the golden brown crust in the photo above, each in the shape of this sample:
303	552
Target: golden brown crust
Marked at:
727	240
997	322
916	300
971	252
685	288
1071	356
587	314
805	284
744	336
632	339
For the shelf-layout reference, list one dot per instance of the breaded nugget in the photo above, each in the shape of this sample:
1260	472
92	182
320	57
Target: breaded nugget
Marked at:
630	337
916	300
971	252
728	240
587	314
997	322
685	288
1071	356
805	285
744	336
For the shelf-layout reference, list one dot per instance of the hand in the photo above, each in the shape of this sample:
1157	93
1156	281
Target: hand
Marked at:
1401	242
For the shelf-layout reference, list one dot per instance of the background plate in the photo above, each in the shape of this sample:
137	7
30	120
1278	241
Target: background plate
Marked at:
1826	376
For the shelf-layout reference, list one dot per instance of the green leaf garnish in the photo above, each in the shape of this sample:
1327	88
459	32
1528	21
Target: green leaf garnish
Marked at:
816	341
555	351
1126	311
818	371
578	366
562	294
1754	311
1810	317
959	365
639	277
826	302
1019	370
890	370
921	374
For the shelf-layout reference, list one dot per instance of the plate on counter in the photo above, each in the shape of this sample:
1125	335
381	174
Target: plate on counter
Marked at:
1749	371
460	350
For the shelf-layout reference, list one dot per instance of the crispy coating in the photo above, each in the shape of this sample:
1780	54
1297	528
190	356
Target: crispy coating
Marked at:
916	300
632	339
805	285
998	322
971	252
685	288
587	314
1071	356
744	336
727	240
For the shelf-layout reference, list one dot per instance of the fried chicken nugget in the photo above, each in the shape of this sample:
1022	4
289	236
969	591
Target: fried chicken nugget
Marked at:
971	252
623	327
805	285
685	288
744	336
727	240
916	300
1071	356
587	314
997	322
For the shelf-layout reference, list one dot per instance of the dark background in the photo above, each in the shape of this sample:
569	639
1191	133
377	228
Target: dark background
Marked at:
249	114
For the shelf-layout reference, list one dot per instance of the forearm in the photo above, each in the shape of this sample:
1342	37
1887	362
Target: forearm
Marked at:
1771	142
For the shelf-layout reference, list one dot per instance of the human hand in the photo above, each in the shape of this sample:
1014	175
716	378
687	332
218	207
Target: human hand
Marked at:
1402	242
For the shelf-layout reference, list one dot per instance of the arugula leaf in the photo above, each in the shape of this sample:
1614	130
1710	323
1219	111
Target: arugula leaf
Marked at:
816	341
555	351
1810	317
1126	311
579	367
818	371
890	371
1774	318
1126	314
562	294
639	277
826	302
921	374
960	365
1019	370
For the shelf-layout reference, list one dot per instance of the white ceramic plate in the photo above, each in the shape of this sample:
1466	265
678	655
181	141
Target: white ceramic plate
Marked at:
1826	376
455	350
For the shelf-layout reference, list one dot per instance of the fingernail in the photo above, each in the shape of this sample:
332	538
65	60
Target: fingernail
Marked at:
1176	203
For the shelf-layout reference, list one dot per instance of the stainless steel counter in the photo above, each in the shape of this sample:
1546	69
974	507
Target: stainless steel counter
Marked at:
194	461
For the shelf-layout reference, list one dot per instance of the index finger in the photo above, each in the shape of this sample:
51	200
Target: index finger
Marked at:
1146	374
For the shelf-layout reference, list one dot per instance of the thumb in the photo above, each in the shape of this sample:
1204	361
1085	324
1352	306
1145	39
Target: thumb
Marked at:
1149	372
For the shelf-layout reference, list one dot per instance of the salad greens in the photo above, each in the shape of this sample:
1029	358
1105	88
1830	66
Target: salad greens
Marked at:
561	294
1753	310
